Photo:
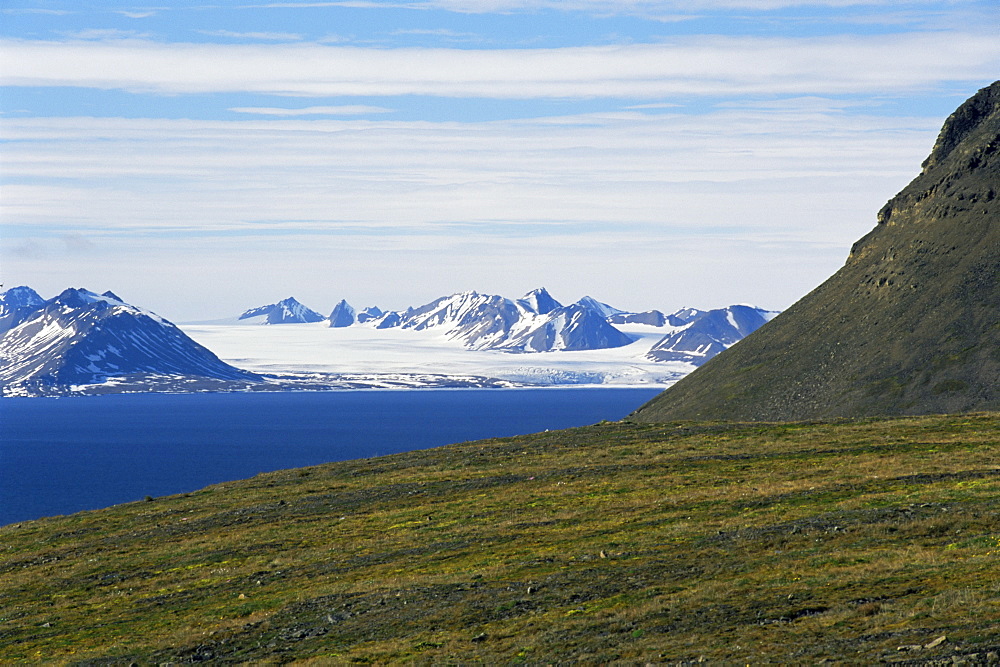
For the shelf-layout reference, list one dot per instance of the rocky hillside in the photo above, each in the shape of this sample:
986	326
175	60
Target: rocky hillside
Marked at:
911	323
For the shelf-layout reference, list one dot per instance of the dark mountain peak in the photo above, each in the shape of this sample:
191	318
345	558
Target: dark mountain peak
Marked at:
20	296
909	325
967	120
343	315
111	295
962	166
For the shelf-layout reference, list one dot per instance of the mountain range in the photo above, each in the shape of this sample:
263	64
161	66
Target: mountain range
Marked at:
909	325
83	342
537	322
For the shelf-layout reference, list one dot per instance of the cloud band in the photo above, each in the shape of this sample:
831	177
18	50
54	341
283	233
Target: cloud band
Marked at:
706	66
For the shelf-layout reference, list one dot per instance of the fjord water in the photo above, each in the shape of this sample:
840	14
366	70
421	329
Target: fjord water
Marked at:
63	455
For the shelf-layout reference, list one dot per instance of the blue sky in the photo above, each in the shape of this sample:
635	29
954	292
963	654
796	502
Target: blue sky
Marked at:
202	158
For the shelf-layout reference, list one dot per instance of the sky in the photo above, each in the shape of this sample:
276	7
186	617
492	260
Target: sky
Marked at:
202	158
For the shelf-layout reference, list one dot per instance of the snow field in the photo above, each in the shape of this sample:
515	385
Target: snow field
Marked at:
317	347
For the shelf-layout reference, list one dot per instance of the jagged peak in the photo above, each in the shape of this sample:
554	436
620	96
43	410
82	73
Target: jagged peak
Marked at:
342	315
539	301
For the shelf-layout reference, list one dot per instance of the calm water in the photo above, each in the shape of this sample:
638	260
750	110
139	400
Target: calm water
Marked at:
62	455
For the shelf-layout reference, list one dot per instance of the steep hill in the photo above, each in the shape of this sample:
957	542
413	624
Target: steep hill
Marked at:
910	324
630	544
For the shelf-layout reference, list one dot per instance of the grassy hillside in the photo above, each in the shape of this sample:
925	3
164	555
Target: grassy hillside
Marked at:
654	543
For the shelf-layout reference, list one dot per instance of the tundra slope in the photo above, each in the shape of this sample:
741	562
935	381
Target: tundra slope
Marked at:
910	325
862	543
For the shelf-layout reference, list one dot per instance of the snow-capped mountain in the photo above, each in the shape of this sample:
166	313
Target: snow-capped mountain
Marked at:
286	311
572	327
539	301
16	304
342	315
602	309
537	322
479	321
708	333
82	338
533	323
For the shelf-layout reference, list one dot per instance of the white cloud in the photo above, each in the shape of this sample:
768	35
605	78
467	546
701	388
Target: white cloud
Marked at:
654	105
345	110
50	12
354	176
690	66
137	14
265	36
442	34
98	34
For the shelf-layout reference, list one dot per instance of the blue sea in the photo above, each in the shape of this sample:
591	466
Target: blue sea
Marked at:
63	455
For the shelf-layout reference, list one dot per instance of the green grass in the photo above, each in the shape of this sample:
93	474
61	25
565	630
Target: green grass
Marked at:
787	542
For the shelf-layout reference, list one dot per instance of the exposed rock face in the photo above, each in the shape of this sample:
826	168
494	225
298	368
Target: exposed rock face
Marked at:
910	324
